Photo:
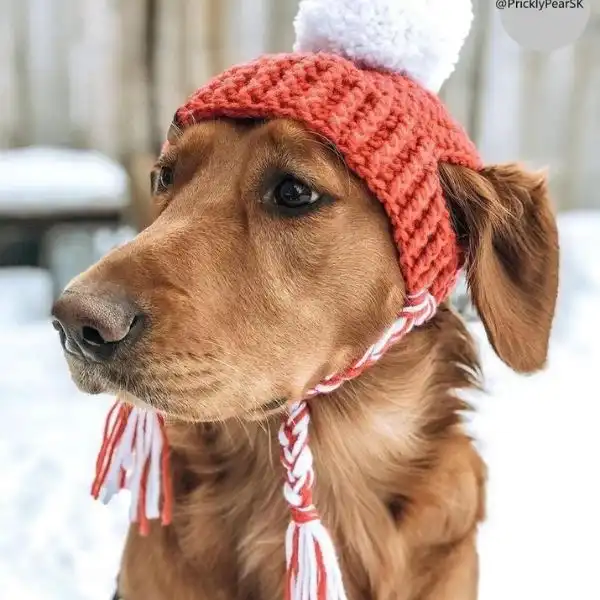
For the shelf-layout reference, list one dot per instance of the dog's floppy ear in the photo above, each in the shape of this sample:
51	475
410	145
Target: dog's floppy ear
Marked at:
507	230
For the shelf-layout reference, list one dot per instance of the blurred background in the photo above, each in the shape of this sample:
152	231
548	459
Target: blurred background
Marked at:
89	87
87	91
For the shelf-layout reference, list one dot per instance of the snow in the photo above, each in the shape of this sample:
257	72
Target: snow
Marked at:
25	294
46	181
55	544
538	435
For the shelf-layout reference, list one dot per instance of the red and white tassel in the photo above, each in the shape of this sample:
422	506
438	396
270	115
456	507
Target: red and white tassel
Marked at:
418	309
135	456
313	571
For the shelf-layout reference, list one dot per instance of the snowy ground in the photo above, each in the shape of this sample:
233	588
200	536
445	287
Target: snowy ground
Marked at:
538	434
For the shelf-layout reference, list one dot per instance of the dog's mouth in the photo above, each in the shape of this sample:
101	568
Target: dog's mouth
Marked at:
142	390
95	377
99	378
264	411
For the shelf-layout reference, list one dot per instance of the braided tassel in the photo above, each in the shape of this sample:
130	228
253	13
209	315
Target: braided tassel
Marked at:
419	308
135	456
313	572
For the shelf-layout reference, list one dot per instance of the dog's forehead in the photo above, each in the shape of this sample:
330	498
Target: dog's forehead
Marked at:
201	137
204	136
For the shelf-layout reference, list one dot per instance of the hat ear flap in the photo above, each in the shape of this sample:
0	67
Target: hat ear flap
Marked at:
508	232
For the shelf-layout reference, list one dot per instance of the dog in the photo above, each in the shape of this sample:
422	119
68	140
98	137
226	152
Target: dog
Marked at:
269	265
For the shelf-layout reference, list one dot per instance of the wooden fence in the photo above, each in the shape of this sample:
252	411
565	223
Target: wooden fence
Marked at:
108	74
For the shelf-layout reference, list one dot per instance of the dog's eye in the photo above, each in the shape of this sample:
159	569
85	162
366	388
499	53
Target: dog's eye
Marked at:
165	178
293	194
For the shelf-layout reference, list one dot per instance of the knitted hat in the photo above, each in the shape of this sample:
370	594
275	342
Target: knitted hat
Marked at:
364	75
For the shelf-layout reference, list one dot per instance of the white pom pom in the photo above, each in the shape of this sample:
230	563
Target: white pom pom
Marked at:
422	38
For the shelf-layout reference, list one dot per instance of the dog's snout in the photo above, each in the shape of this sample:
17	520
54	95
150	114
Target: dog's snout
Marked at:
94	325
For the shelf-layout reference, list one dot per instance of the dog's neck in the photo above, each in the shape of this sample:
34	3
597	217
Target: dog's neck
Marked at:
376	443
395	411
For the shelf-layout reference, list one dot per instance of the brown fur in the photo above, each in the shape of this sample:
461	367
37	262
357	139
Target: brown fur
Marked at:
245	306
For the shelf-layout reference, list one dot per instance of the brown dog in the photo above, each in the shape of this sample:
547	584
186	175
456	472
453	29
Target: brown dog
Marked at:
231	303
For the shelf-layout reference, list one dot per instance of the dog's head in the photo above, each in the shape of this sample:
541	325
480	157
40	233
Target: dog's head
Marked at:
270	265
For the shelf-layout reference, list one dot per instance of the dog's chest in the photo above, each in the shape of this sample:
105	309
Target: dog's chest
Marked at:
240	534
231	513
227	540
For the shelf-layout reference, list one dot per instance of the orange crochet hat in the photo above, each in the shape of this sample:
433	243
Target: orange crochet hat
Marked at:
391	131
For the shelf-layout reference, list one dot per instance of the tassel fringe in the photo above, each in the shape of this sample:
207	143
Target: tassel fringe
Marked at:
135	456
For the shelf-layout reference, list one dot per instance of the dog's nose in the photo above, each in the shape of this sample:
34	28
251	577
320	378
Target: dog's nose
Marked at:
95	325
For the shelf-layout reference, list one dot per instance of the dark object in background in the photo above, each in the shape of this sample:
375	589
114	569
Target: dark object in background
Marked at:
22	240
19	245
53	201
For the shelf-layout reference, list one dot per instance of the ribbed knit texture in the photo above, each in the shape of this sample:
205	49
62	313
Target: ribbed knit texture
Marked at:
391	132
